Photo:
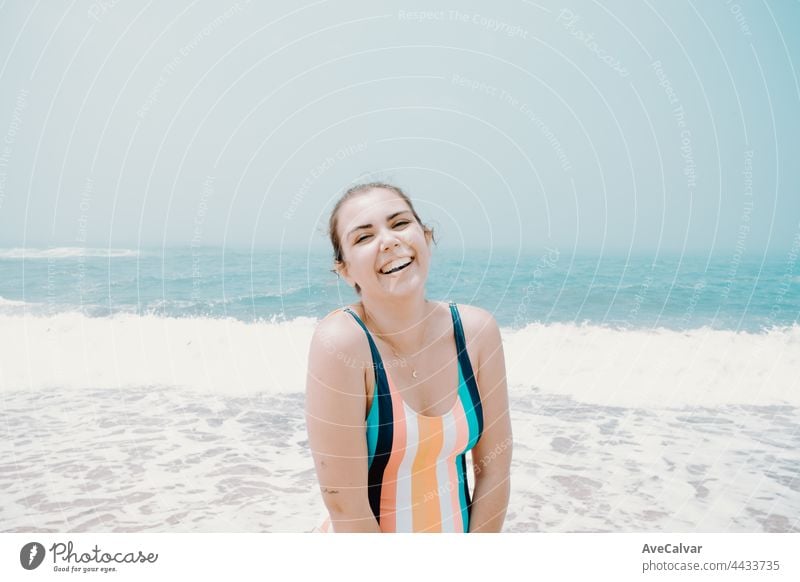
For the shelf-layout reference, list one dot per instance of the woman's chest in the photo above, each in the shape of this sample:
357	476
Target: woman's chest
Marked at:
428	383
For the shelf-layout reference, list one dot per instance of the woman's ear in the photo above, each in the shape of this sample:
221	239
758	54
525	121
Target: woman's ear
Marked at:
341	270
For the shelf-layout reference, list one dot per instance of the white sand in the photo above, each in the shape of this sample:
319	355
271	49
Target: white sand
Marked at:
160	424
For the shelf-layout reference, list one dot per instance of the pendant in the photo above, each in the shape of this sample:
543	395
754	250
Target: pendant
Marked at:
414	373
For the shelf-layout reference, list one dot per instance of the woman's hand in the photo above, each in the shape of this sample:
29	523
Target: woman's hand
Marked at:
335	410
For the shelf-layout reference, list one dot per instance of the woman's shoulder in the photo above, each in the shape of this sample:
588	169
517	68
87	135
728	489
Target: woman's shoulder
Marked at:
481	331
337	359
475	318
339	332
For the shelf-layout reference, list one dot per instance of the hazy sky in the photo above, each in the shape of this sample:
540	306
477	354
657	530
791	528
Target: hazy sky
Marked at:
613	127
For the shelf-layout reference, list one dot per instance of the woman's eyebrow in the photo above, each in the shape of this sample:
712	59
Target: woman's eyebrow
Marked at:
388	218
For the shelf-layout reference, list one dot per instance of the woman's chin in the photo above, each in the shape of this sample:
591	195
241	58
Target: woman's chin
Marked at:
403	283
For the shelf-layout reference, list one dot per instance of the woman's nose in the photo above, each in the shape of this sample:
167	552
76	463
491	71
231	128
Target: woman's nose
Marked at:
389	240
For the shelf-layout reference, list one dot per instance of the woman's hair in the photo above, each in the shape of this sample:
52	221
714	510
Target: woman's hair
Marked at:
333	222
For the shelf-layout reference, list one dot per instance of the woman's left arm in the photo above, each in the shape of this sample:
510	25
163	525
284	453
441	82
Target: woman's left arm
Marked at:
491	456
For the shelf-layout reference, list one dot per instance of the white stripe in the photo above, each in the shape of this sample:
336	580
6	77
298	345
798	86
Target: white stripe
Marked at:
446	488
405	522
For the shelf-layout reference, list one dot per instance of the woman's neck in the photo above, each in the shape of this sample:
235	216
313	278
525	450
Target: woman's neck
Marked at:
401	323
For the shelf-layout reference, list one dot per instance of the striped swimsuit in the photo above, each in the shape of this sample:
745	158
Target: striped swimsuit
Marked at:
417	467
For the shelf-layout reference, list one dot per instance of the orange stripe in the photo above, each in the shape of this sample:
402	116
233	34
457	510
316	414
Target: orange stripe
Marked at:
389	486
424	487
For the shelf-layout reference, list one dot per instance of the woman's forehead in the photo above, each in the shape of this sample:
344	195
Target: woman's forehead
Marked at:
375	205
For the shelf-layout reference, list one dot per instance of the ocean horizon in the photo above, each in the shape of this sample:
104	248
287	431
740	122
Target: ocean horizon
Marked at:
642	291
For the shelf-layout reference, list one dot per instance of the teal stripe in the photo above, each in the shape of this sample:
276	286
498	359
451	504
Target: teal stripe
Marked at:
469	410
462	501
373	423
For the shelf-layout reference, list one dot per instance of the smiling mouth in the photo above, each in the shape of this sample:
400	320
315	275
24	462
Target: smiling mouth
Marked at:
398	268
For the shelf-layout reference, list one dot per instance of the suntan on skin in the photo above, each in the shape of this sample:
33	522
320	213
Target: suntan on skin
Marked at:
409	480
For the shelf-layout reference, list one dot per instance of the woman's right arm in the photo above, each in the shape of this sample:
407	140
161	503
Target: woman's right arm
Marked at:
335	407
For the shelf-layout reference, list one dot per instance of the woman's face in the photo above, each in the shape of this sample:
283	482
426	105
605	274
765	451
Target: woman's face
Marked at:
378	233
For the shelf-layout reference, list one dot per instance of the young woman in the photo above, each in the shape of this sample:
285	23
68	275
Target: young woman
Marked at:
400	388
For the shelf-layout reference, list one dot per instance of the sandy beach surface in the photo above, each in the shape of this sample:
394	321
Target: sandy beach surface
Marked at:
157	424
166	460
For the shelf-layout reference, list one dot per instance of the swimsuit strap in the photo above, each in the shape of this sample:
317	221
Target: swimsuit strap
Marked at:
377	363
466	365
383	448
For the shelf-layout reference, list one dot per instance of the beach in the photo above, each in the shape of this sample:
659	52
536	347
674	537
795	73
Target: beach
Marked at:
200	434
142	397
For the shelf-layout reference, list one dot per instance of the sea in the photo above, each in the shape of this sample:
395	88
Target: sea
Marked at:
162	390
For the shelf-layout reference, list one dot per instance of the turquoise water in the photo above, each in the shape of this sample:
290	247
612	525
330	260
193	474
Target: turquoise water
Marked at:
674	292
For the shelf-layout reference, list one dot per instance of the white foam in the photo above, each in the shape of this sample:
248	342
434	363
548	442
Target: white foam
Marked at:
64	253
224	356
658	368
12	303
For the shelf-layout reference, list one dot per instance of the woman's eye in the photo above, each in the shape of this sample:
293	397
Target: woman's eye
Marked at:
396	224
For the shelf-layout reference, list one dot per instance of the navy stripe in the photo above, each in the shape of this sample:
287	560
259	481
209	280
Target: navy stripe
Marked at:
383	448
466	367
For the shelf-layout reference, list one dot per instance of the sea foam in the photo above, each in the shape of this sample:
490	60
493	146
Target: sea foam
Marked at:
588	363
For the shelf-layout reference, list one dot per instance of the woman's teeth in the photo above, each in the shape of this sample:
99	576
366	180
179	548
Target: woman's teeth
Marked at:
399	266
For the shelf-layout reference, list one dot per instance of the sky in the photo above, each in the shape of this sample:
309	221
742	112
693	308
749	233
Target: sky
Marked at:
621	127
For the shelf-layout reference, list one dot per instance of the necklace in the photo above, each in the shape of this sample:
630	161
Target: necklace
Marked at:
394	351
413	369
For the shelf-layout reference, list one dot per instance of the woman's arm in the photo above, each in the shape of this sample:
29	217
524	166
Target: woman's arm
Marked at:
335	407
491	456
